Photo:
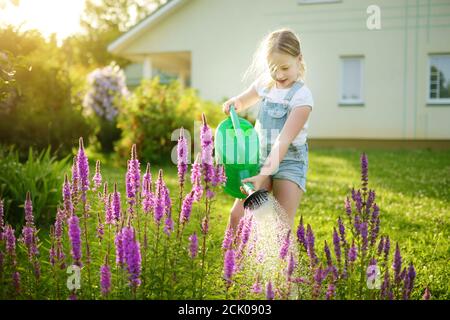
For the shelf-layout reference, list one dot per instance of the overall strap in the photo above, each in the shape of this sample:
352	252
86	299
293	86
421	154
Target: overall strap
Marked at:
295	87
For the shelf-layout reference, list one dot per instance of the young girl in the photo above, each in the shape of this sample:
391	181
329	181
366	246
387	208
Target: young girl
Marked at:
282	121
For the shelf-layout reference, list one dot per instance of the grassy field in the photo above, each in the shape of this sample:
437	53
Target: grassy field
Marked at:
412	191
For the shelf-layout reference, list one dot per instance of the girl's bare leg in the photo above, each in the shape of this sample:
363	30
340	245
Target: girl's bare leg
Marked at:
288	194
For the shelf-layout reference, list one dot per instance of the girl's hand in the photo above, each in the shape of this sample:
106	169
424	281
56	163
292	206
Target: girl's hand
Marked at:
259	182
233	101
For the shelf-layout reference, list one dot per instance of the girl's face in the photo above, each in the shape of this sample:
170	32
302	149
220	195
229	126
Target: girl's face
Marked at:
284	69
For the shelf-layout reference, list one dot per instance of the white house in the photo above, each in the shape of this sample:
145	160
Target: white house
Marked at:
378	69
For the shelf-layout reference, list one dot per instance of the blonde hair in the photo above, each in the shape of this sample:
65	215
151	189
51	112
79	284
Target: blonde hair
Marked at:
282	41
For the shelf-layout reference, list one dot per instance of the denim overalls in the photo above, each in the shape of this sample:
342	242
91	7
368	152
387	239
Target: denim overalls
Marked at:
271	118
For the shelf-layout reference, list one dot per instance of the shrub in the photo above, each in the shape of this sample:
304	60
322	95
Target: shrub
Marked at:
41	174
152	112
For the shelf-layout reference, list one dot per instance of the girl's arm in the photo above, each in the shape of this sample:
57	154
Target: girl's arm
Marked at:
294	124
241	102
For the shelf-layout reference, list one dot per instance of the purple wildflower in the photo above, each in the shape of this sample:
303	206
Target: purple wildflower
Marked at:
205	225
120	253
10	239
356	196
2	222
29	218
67	197
348	206
330	291
147	180
109	214
310	245
193	245
301	234
337	246
228	238
186	208
397	264
75	239
75	178
270	295
256	287
285	246
385	286
83	170
409	282
168	225
353	253
219	176
160	198
387	247
116	206
326	249
380	245
206	140
105	279
357	224
197	187
132	256
342	231
364	172
182	152
16	281
97	179
364	236
375	224
291	266
427	294
229	265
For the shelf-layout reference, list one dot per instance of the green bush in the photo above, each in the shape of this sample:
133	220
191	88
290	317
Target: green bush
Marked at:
152	113
41	174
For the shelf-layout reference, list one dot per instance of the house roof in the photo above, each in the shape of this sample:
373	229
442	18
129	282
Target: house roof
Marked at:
124	40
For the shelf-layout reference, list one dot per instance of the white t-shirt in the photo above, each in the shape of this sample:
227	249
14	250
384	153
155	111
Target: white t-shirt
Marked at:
303	97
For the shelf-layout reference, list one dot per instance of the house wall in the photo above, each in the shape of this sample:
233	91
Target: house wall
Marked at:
222	36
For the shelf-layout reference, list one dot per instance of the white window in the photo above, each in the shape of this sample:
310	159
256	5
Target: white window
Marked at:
439	79
351	80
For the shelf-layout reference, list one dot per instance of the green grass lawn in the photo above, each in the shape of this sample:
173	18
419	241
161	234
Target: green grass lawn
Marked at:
412	191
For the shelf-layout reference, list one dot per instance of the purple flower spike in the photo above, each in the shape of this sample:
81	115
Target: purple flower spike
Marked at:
342	231
105	279
197	187
120	253
353	253
132	256
10	239
29	218
67	197
285	246
193	245
364	171
182	152
2	222
256	287
364	235
205	225
75	178
186	208
427	294
116	206
327	254
75	239
229	265
270	295
387	247
337	245
291	266
97	179
397	265
301	234
330	291
310	245
168	226
206	139
348	206
83	170
228	238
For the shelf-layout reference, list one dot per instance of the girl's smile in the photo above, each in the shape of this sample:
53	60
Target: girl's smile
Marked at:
284	69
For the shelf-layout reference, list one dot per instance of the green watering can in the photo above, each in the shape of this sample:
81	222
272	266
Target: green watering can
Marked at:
237	148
